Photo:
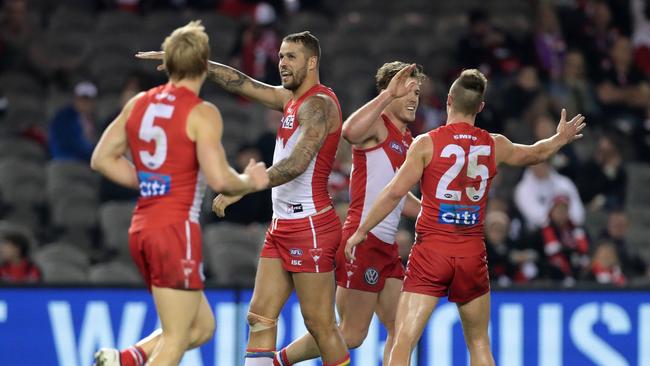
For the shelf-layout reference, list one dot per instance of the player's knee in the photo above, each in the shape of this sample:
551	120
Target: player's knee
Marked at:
176	342
258	323
319	326
354	339
205	330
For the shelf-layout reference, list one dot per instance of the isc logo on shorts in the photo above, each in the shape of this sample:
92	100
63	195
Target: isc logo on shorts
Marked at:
459	214
152	184
296	262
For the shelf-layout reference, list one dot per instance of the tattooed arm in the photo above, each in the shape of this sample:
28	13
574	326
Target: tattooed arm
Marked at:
317	115
235	81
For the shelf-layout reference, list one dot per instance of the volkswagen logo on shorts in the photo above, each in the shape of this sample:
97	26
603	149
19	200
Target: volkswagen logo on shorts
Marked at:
371	276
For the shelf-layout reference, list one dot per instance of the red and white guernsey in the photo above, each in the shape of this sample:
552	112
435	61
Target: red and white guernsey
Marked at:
455	187
372	170
171	184
307	193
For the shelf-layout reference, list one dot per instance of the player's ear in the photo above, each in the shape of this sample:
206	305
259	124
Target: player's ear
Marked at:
312	63
480	107
450	99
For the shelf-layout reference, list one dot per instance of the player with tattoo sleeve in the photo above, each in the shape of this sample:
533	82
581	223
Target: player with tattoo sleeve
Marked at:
301	243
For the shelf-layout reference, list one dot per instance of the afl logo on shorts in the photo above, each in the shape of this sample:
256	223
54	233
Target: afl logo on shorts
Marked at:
295	252
371	276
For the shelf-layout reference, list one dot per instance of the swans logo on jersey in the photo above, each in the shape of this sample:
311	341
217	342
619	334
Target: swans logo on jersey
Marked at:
287	122
397	147
371	276
459	214
152	185
295	252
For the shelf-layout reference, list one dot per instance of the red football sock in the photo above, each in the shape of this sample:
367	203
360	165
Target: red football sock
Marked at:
281	358
133	356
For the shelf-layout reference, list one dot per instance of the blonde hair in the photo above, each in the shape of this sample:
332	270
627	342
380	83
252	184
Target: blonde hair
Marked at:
187	51
468	92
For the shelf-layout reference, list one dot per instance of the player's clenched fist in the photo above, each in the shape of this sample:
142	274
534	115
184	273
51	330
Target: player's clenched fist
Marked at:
354	240
258	175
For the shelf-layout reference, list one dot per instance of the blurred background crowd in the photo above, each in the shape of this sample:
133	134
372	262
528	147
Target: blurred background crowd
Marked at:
67	67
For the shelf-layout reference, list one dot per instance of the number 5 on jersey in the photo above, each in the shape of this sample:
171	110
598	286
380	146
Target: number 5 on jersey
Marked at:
150	132
474	170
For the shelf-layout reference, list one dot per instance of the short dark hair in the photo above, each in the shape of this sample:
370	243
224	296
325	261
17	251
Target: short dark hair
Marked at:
308	40
468	91
386	72
18	240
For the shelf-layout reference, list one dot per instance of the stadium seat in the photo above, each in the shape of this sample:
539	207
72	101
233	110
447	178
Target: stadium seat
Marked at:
114	221
74	211
21	82
23	149
231	264
60	255
21	181
119	21
66	19
62	175
115	273
638	181
164	22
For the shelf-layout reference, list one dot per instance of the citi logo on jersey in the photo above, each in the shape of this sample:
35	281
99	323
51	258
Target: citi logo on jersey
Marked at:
287	122
459	214
152	184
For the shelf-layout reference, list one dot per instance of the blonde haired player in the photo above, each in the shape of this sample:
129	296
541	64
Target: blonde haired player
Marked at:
455	164
174	138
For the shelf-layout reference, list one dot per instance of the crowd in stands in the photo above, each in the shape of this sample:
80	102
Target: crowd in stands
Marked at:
67	67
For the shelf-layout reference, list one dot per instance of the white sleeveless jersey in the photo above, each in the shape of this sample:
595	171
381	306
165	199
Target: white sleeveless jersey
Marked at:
306	194
372	170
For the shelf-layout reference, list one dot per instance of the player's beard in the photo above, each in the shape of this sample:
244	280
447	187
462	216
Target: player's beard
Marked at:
297	78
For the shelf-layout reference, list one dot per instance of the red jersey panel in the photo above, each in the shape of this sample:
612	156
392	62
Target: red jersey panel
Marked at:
454	187
171	185
307	193
372	170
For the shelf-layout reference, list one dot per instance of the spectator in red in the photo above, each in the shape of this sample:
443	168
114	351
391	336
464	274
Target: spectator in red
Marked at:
15	265
641	34
256	50
606	266
565	245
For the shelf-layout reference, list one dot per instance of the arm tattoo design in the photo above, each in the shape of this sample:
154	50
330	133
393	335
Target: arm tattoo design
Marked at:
313	116
232	80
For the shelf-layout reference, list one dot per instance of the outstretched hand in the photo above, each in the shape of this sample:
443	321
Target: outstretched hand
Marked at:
402	83
152	55
569	131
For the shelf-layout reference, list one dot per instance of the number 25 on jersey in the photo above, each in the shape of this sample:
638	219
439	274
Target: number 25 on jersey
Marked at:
474	170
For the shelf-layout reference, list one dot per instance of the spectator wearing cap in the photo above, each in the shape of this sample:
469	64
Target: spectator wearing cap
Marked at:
535	192
15	265
72	131
565	244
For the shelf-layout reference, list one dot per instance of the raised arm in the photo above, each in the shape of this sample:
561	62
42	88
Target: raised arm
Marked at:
317	116
418	157
522	155
234	81
205	126
363	124
108	157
